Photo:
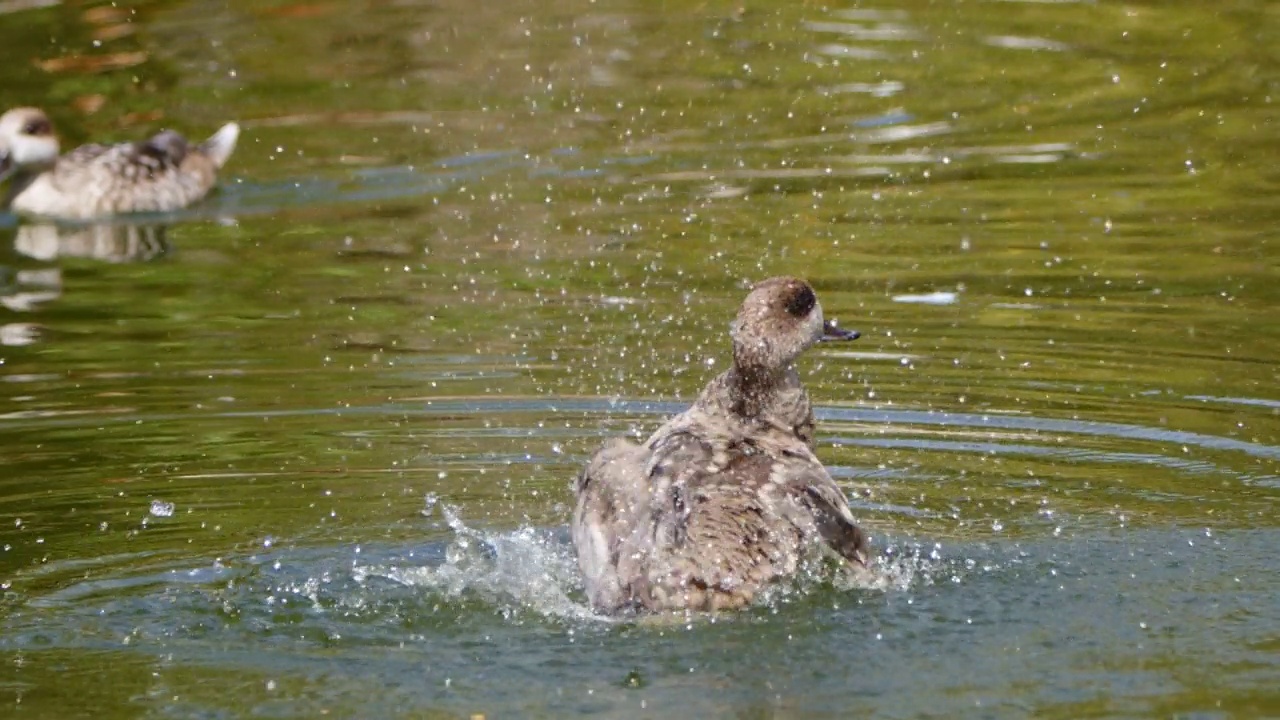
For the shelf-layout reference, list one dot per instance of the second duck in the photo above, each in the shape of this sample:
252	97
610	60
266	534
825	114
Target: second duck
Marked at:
162	174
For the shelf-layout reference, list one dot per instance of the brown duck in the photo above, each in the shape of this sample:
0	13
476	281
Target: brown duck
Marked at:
727	497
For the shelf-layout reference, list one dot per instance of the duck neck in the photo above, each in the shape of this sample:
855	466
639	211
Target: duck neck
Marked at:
753	388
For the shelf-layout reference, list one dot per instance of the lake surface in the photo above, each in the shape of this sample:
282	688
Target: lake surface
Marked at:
306	449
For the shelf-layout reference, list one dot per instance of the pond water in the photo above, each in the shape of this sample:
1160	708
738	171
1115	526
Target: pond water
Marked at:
306	448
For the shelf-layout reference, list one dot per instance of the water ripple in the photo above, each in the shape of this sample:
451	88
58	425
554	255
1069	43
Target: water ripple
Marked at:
587	405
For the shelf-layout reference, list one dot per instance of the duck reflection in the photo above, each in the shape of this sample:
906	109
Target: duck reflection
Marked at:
109	242
25	290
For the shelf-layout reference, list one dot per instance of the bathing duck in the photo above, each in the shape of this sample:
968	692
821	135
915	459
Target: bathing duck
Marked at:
727	497
161	174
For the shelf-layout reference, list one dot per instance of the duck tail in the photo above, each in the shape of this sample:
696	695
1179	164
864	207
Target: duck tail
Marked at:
221	144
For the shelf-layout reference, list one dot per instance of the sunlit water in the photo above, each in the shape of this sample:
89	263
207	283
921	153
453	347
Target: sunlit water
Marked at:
306	448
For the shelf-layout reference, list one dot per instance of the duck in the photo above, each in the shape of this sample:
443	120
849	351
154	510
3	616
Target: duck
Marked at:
727	498
161	174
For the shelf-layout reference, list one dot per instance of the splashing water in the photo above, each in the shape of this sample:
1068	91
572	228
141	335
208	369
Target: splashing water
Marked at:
527	568
390	593
535	569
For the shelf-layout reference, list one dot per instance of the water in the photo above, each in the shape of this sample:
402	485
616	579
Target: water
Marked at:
306	448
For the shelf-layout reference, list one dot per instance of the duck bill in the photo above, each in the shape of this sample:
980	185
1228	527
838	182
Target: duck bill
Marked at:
831	332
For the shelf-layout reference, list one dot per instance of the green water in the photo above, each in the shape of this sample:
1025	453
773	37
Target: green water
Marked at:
306	450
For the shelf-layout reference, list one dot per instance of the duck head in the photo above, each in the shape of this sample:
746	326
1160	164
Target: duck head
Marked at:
26	141
779	320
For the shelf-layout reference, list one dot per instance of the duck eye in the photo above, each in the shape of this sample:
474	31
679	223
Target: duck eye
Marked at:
801	301
39	126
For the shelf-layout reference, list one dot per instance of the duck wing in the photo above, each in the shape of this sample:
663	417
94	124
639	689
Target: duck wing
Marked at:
701	522
631	517
79	167
731	520
715	530
166	149
122	164
825	501
84	154
611	492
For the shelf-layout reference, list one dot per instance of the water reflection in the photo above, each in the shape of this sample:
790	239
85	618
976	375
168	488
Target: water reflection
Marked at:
30	290
19	334
114	242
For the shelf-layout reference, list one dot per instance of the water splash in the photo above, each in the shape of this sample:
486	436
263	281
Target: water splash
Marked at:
525	569
535	569
393	594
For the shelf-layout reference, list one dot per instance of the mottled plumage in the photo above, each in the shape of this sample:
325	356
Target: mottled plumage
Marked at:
726	497
161	174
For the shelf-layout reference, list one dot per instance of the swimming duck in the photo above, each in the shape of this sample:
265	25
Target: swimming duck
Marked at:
727	497
161	174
